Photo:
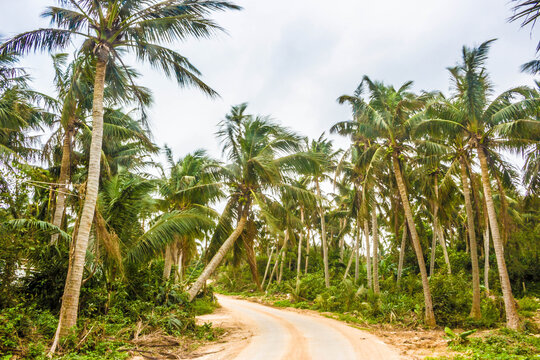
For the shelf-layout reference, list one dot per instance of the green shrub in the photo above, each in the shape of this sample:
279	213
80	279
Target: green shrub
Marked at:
452	298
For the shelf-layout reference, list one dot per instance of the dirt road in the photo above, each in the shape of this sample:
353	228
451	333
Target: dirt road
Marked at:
266	333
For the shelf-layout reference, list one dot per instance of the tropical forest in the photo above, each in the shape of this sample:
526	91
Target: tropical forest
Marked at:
379	220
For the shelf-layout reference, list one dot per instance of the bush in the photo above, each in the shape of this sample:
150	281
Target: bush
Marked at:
452	298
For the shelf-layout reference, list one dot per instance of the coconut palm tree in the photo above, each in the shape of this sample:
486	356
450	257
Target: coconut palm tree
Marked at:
261	153
504	122
191	183
74	84
109	30
323	149
387	119
18	111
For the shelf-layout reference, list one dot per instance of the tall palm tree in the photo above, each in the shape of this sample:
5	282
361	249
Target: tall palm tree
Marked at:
504	122
74	84
323	149
387	118
261	154
109	30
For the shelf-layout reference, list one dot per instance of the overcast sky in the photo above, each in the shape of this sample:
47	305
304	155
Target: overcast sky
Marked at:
292	58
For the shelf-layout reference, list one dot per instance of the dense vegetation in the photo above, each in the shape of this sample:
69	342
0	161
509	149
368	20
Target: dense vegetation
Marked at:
423	221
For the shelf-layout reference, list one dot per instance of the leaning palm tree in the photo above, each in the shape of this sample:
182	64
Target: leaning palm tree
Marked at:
261	154
506	122
109	30
387	119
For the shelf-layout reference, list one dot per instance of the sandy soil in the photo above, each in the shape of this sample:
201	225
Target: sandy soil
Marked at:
258	332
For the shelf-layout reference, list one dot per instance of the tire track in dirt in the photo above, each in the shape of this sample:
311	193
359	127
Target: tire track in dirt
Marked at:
288	334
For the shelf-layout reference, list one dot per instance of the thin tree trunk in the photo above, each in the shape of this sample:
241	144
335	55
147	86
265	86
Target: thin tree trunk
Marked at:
218	257
283	256
252	262
349	263
375	231
180	265
299	261
486	251
512	318
323	237
475	309
368	254
268	263
402	252
167	265
435	227
357	250
276	264
63	180
354	252
307	250
72	289
429	315
342	239
432	254
445	250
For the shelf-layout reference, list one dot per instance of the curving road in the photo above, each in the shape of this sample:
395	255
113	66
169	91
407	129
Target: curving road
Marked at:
275	334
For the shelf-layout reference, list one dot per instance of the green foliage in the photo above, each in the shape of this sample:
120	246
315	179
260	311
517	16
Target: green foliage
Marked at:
503	344
460	338
109	317
452	297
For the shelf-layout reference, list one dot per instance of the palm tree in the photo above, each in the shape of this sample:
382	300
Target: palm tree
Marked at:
322	148
528	12
261	153
74	87
109	29
191	183
506	122
19	113
387	120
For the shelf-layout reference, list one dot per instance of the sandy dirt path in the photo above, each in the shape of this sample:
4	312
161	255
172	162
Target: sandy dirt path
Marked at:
267	333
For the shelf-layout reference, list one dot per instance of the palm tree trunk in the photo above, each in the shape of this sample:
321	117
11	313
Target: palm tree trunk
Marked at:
512	318
375	231
268	263
252	262
323	237
342	240
402	253
283	256
368	254
349	263
63	180
435	227
354	252
357	250
180	265
307	250
276	264
433	251
475	309
429	315
167	264
72	289
299	261
486	251
218	257
445	250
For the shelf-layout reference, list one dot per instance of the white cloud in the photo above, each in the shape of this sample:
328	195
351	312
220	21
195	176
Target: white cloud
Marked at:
292	59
